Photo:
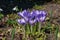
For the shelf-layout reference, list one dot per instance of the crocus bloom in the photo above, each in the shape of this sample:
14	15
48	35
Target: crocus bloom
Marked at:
23	14
41	15
21	21
31	17
32	21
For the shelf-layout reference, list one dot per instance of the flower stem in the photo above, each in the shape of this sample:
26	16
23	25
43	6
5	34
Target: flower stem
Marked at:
13	32
31	28
27	31
57	31
39	27
24	31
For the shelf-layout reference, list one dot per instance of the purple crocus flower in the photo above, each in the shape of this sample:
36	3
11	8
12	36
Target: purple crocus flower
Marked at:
28	16
21	21
23	14
41	15
31	17
32	21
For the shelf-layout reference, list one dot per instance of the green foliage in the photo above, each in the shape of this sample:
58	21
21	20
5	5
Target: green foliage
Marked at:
13	34
11	22
1	16
38	7
56	31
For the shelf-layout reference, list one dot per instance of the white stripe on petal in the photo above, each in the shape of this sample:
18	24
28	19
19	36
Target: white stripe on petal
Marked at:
20	14
31	12
21	21
37	12
23	11
42	18
43	12
18	20
26	18
31	21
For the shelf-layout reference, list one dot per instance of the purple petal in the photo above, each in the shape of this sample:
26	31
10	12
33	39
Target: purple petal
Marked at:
25	13
42	12
41	19
41	16
22	13
33	14
32	21
21	21
37	12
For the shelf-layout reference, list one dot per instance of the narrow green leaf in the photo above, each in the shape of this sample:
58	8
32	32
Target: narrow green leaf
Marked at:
13	33
57	32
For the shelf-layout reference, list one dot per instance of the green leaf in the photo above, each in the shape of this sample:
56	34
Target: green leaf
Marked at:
11	21
27	29
13	33
56	32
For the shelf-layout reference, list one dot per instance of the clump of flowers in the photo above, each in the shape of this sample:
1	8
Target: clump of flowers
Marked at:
31	17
